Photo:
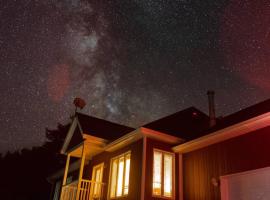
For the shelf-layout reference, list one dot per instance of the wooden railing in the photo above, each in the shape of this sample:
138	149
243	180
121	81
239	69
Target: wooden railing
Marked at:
69	191
88	190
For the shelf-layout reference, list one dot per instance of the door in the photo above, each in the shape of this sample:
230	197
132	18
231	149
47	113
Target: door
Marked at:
96	182
247	185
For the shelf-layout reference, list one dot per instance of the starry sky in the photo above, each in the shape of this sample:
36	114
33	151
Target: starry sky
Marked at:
132	61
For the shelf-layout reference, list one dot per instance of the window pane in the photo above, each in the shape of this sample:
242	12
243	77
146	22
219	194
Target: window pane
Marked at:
120	177
113	178
157	173
168	163
127	174
97	181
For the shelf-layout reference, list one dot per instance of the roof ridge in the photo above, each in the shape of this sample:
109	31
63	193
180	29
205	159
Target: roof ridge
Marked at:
176	113
104	120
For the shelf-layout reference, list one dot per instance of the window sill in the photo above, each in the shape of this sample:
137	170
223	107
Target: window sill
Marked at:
163	197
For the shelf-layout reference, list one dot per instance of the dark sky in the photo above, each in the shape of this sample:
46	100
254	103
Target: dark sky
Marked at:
132	61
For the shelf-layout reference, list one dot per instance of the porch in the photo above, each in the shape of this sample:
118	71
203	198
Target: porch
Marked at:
87	190
82	188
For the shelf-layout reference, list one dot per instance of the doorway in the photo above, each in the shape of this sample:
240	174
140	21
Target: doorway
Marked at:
96	182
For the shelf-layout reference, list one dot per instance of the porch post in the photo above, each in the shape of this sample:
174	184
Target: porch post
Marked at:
66	170
81	173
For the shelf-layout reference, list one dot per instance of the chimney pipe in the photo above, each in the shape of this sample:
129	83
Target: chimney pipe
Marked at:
211	103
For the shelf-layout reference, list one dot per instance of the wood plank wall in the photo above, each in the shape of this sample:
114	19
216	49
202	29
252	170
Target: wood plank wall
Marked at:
247	152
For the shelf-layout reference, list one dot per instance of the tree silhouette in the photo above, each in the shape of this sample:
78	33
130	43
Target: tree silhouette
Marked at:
23	174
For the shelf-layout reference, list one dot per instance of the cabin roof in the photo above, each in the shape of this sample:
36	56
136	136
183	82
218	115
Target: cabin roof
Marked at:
102	128
242	122
187	124
242	115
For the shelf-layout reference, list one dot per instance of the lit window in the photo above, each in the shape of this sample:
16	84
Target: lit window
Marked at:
157	173
96	185
163	174
120	167
127	174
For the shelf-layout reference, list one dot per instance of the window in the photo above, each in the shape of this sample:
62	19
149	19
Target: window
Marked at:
96	185
163	174
119	182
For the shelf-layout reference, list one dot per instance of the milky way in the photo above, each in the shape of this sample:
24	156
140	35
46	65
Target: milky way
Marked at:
132	61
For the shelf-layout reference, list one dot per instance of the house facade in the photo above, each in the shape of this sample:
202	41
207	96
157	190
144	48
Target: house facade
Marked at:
179	157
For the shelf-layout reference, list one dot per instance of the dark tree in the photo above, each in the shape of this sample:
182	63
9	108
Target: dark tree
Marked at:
24	174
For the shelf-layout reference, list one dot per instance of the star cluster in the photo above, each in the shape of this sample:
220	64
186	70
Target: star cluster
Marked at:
132	61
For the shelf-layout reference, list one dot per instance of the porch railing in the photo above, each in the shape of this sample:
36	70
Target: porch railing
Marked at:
88	190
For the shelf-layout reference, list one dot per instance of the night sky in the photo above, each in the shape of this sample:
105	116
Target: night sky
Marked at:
132	61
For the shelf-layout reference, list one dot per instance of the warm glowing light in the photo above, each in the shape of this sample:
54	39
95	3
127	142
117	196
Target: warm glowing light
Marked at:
162	174
127	174
157	173
97	179
120	175
113	178
168	161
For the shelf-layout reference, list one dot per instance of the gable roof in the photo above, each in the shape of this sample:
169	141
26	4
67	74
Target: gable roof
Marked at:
242	115
101	128
242	122
96	129
186	124
76	138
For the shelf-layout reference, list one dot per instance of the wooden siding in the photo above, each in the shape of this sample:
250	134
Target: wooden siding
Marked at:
135	168
247	152
151	144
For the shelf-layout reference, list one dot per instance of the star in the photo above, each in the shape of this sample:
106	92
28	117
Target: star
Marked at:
131	61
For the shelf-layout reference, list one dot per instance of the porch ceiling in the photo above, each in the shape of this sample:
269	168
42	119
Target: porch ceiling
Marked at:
91	148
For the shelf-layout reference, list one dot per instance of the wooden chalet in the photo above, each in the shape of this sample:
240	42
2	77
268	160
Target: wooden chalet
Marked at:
180	157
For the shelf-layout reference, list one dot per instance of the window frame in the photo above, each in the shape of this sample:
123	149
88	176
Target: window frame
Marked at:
124	174
93	187
163	152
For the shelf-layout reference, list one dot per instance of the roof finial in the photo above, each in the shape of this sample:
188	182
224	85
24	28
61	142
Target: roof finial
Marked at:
79	103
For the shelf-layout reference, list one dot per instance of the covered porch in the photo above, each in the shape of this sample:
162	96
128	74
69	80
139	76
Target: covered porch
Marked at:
88	190
81	188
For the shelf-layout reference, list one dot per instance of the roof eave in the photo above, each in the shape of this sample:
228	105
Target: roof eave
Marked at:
69	135
140	133
229	132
